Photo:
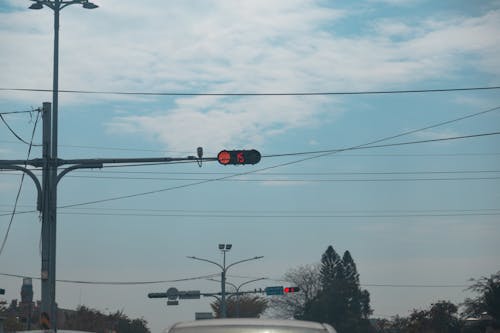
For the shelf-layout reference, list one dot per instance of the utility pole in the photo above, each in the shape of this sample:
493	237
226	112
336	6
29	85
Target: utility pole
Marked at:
47	198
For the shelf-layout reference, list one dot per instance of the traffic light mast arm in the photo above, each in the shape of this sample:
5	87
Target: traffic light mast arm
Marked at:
239	262
206	260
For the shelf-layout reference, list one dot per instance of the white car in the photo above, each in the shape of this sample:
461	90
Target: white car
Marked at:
250	326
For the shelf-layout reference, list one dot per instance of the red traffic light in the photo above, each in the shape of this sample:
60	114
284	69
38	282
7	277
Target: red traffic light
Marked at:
291	289
237	157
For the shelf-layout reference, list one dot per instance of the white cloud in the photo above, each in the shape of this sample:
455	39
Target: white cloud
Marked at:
226	46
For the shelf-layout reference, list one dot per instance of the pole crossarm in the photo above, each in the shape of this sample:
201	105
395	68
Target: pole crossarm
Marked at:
36	162
32	176
78	166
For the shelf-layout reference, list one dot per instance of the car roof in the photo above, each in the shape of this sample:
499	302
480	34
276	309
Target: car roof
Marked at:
252	322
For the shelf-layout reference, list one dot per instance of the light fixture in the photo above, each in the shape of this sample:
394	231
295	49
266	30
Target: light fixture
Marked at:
36	5
229	246
221	246
89	5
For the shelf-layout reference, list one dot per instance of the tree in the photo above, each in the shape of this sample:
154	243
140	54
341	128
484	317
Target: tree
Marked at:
441	317
340	300
11	323
307	278
488	300
86	319
244	306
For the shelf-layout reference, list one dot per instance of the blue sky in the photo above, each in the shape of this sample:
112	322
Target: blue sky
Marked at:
424	214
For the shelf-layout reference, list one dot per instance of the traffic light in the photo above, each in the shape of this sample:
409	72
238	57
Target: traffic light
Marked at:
2	291
237	157
291	289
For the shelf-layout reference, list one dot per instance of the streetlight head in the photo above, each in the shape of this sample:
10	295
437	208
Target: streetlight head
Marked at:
89	5
221	246
36	5
229	246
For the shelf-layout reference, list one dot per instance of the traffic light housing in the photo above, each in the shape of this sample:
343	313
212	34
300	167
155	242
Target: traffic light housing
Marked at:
291	289
239	157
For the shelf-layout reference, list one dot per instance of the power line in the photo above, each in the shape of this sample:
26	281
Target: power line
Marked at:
248	94
318	154
291	180
415	285
117	282
333	173
16	112
387	285
321	151
343	155
398	135
15	134
365	146
278	213
4	242
287	216
390	285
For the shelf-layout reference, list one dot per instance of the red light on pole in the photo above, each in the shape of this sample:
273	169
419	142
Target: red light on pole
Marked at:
291	289
238	157
224	157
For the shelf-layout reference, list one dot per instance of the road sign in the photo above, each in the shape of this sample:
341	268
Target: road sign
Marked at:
277	290
189	294
172	294
203	315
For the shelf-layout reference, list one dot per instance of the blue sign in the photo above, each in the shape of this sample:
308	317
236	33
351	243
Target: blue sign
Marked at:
277	290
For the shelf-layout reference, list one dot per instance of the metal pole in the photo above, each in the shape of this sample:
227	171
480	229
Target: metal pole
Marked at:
53	174
46	154
223	288
55	89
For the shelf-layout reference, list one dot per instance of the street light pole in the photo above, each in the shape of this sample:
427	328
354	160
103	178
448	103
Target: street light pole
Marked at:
237	290
224	248
49	210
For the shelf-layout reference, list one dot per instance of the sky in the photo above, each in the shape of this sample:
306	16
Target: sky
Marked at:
419	219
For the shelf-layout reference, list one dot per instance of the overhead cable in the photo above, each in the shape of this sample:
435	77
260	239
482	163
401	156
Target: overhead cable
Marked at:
249	94
4	242
390	285
15	134
364	146
116	283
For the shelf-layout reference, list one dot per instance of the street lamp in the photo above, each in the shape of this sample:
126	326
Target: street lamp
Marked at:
49	210
237	290
224	248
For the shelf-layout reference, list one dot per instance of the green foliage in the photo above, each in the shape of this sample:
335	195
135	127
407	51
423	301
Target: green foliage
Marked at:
340	301
441	317
244	306
11	323
86	319
488	299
